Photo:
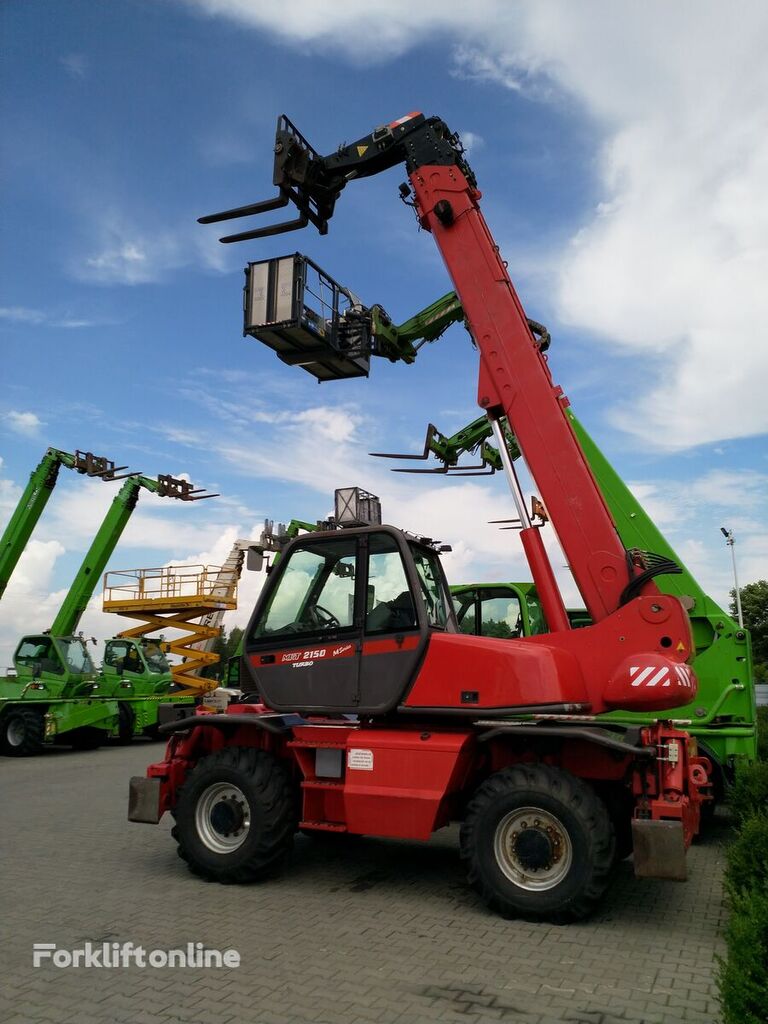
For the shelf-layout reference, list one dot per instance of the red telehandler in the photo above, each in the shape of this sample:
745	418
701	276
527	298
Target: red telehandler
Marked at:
365	710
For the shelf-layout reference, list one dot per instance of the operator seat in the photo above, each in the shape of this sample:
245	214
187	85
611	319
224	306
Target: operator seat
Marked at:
392	615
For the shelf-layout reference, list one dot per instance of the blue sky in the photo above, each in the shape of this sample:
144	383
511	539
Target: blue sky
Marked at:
626	230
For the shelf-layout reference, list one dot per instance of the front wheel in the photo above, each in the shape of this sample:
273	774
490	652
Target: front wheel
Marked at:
538	843
22	733
236	816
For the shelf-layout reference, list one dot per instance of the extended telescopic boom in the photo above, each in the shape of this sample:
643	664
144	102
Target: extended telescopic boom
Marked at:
32	503
105	542
515	381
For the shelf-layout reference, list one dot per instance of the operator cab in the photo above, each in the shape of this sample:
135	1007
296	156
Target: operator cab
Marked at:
137	661
57	658
344	621
129	656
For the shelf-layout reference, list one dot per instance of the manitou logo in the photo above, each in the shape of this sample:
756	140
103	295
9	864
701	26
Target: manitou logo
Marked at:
654	676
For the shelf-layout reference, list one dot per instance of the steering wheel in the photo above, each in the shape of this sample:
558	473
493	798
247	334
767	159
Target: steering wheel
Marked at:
322	617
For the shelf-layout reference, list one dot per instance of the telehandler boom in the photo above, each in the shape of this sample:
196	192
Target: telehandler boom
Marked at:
35	497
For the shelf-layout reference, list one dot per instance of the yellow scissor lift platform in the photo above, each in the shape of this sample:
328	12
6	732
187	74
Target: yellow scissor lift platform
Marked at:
173	597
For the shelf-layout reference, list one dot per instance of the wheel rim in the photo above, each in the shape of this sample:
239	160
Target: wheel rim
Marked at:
15	732
533	848
222	817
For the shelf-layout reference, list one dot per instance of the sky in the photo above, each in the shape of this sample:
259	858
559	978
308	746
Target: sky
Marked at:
622	154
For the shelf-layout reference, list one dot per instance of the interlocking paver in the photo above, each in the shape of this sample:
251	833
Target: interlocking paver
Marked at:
375	931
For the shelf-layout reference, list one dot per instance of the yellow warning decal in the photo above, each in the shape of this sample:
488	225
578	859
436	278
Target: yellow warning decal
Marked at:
361	150
680	646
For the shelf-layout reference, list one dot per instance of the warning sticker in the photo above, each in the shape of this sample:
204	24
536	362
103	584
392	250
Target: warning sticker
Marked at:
362	760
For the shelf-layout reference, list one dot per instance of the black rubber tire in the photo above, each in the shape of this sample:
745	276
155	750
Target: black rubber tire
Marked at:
618	800
87	737
126	722
31	726
273	806
583	816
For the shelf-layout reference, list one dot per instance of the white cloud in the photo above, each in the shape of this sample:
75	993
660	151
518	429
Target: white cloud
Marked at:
471	141
29	604
669	265
25	423
40	318
75	64
480	65
395	24
124	252
22	315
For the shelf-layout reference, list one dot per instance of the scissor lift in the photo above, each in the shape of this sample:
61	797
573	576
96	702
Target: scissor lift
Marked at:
175	598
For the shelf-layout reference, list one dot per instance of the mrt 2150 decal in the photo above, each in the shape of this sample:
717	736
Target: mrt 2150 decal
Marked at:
305	659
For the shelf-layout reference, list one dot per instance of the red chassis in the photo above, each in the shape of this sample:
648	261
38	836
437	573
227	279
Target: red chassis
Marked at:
407	782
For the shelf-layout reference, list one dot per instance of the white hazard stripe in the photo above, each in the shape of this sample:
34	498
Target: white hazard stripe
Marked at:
684	675
663	673
643	675
652	675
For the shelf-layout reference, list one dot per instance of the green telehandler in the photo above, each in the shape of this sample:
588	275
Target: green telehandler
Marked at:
54	692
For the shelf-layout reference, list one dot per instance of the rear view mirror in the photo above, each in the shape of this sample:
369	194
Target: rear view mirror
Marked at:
255	559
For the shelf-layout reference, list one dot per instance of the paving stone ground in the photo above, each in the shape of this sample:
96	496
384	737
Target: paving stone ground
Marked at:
354	931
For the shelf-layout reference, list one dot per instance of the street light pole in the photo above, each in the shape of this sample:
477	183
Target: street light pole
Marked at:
729	540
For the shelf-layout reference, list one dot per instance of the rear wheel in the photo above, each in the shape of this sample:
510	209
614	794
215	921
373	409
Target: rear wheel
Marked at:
22	733
126	722
236	816
538	843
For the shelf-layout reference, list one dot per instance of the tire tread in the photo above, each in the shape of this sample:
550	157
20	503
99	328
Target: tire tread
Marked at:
580	798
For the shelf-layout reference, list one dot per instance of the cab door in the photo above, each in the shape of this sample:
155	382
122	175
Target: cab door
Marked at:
406	597
304	641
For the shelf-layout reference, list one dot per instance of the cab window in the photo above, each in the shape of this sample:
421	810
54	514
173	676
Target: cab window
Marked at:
389	603
76	656
536	616
500	615
123	656
465	607
489	612
115	653
39	652
432	586
315	591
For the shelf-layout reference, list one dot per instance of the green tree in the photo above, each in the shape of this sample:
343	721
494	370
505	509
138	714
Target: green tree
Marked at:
500	629
754	606
233	642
